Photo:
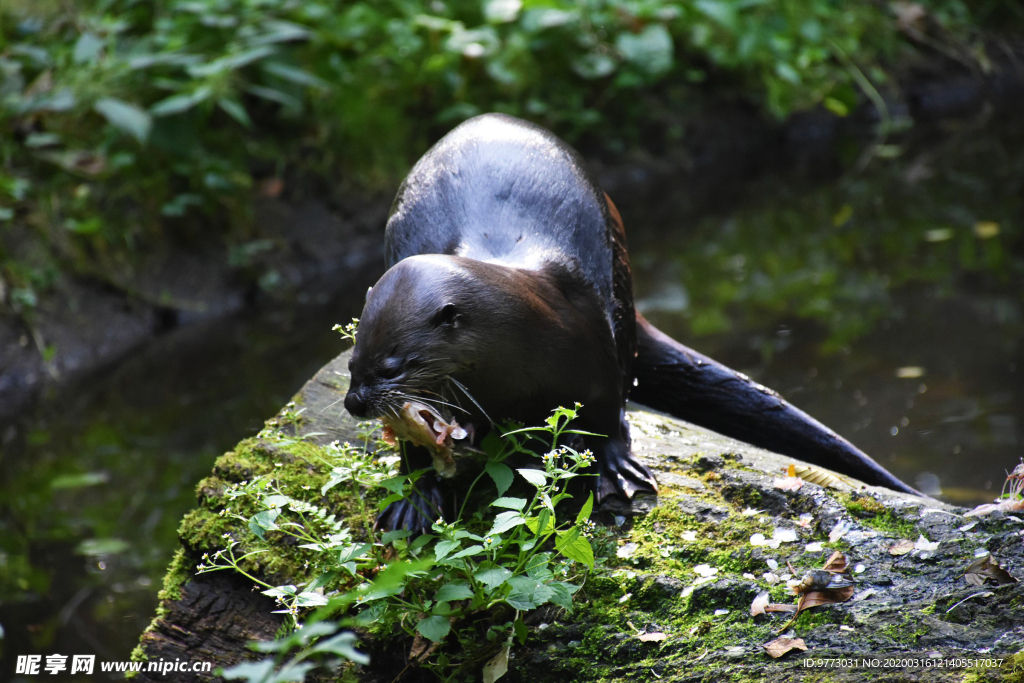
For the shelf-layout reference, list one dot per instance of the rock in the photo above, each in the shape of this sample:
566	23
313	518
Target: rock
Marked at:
690	572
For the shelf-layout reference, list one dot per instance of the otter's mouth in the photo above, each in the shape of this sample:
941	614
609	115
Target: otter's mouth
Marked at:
424	426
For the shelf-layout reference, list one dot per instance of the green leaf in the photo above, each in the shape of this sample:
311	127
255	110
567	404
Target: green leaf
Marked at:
538	566
279	31
528	593
274	95
295	75
719	10
434	628
393	498
456	590
276	502
310	599
542	524
502	11
265	521
230	63
127	117
177	104
343	646
588	508
836	106
535	477
520	630
442	549
420	541
392	536
594	65
87	49
562	593
492	576
505	521
574	545
471	550
510	503
236	111
501	474
251	671
650	50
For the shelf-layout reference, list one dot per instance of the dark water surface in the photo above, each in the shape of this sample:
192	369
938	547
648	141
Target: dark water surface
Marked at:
884	299
888	303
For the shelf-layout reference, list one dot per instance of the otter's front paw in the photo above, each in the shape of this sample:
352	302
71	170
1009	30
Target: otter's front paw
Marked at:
416	513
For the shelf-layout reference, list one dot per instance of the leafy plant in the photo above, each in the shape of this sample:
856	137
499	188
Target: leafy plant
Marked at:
460	592
122	117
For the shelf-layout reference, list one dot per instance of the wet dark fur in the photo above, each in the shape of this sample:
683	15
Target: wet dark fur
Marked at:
509	293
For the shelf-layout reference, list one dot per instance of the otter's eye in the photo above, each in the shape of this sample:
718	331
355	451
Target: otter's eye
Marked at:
448	315
390	368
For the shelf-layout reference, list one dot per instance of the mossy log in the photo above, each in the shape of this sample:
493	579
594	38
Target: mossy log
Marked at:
908	606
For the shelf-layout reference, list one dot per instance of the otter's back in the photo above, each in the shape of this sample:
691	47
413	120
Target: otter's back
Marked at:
503	190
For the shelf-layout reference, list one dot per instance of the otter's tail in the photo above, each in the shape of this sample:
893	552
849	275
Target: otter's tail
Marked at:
679	381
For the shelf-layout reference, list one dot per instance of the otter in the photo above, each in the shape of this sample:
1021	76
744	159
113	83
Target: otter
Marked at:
508	293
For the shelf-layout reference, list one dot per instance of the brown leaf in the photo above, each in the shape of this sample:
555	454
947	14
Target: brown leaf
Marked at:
836	563
421	648
986	569
781	646
826	597
901	547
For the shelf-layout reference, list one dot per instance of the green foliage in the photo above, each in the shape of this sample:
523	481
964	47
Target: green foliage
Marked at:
122	117
471	581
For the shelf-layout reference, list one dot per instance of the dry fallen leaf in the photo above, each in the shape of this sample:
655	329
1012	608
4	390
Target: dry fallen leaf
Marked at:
497	667
813	595
986	569
818	476
421	648
653	637
901	547
836	563
781	646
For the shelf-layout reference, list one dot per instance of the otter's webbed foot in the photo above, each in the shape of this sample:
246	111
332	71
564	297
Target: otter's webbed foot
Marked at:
416	513
620	472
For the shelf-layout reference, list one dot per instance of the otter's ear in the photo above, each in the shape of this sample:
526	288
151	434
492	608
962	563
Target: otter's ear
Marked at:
368	290
446	315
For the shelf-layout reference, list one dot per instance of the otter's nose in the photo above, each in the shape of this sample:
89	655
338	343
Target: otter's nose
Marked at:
354	404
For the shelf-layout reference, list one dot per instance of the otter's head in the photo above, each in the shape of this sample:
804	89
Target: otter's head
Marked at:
412	337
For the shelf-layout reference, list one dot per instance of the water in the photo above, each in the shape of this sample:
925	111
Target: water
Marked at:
885	301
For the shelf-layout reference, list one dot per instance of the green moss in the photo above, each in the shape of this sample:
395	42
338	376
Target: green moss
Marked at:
1012	670
178	574
879	517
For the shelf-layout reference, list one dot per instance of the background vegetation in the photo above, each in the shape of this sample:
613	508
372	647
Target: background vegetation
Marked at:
125	122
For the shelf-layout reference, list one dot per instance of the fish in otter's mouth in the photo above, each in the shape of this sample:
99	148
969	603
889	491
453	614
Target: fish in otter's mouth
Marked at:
424	426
